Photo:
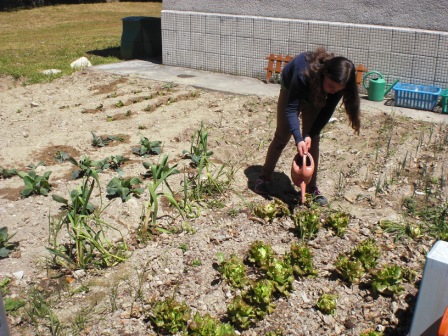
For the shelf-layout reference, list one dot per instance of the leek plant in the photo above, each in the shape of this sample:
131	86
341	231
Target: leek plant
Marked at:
88	245
159	173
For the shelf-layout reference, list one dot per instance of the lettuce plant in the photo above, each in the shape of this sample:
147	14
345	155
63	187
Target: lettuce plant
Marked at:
307	223
301	260
207	325
170	316
234	271
281	274
272	210
360	260
327	303
350	269
260	297
367	252
338	221
240	313
388	280
260	254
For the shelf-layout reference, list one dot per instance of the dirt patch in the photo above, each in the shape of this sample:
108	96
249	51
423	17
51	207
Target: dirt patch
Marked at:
393	170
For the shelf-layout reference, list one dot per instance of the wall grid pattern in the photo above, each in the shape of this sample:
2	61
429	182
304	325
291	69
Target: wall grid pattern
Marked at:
238	45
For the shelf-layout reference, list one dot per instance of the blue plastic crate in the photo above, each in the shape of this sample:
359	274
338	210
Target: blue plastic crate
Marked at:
420	97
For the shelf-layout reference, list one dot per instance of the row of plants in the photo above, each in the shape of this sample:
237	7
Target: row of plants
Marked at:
361	261
88	245
261	277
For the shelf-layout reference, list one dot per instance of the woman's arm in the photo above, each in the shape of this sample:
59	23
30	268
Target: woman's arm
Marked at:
325	114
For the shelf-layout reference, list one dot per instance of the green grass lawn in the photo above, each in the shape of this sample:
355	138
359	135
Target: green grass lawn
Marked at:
52	37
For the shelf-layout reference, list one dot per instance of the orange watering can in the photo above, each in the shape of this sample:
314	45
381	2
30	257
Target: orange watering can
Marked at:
302	170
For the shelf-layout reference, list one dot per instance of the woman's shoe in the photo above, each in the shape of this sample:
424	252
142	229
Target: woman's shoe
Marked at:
317	196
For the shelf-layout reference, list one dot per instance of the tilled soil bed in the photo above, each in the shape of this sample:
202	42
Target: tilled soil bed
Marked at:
395	172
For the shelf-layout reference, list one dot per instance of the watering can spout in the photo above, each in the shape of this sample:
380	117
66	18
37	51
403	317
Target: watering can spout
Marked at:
390	86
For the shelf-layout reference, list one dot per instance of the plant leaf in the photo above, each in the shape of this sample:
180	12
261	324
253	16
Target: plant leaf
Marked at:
60	199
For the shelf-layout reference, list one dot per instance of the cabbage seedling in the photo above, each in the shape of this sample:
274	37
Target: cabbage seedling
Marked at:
85	166
124	188
102	141
148	147
35	184
5	245
327	303
7	173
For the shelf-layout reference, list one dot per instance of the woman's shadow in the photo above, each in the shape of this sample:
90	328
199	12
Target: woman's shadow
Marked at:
280	186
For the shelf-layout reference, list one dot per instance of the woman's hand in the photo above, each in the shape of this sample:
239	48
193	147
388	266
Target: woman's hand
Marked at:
304	146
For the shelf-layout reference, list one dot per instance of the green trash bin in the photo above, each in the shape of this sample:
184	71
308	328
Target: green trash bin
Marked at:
141	37
152	36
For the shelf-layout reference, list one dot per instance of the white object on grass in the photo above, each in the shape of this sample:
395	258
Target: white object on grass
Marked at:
82	62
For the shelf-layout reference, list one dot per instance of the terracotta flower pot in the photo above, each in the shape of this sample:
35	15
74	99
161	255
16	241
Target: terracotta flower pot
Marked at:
302	170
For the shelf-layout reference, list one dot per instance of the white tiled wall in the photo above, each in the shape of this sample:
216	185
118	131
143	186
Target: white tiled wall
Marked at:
238	45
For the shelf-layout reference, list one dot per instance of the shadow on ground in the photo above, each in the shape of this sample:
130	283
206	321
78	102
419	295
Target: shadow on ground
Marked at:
280	187
116	52
108	52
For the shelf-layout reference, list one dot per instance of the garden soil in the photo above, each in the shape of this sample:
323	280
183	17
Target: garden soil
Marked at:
368	176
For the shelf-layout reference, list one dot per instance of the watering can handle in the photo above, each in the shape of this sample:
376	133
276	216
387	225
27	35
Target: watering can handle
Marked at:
304	157
371	73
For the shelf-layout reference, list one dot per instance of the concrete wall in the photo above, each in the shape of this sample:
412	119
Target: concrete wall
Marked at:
224	37
423	14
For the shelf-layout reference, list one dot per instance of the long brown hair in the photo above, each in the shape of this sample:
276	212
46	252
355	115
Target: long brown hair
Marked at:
340	70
